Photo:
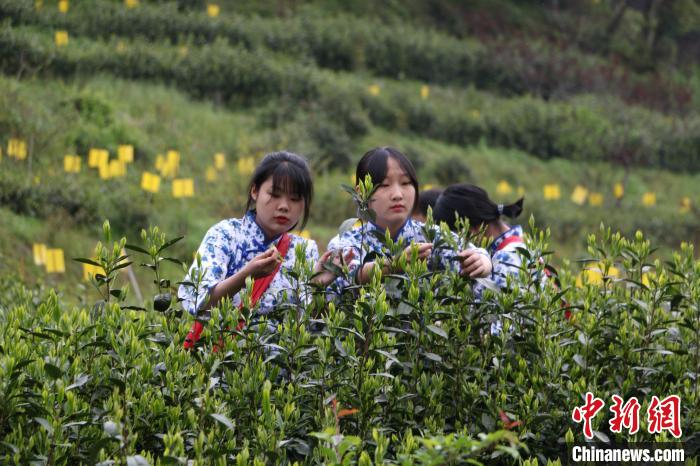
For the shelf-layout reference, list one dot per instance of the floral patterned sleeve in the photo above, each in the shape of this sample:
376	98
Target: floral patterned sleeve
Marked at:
343	244
312	255
448	257
216	253
506	262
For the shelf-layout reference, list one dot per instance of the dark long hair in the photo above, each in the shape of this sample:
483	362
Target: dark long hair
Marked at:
472	202
427	199
375	163
290	174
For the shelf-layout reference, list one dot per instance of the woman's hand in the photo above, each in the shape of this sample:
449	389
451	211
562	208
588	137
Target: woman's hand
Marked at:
424	250
263	264
474	264
325	277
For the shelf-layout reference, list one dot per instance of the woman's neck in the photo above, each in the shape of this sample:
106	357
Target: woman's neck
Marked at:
393	229
497	228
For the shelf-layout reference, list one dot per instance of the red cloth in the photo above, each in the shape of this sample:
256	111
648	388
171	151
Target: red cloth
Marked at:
509	240
260	285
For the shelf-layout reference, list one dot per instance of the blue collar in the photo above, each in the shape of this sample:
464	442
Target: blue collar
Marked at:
515	230
398	233
250	220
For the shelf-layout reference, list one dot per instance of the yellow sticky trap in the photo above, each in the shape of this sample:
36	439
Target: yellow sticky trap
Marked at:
38	4
374	89
17	148
551	192
21	149
131	3
183	51
213	10
475	114
579	195
211	174
63	6
596	199
126	153
503	187
150	182
116	169
219	161
177	188
104	171
618	190
173	157
61	38
183	187
649	199
171	164
97	157
71	164
54	261
685	205
39	251
93	156
594	274
427	187
160	162
90	270
424	92
188	187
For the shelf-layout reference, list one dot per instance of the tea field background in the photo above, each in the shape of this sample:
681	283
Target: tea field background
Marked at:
588	109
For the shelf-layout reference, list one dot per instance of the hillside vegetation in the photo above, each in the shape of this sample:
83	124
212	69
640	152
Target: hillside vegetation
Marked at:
135	123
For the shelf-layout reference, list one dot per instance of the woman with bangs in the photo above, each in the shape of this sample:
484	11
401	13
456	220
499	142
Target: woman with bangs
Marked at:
258	245
394	201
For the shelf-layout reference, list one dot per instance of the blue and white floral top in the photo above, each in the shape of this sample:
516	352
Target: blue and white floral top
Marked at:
410	232
227	247
506	261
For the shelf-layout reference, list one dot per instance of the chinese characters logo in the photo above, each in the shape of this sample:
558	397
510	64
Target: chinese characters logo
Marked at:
662	415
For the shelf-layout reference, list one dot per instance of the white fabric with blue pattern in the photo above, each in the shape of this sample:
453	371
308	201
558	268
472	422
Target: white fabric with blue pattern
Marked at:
227	247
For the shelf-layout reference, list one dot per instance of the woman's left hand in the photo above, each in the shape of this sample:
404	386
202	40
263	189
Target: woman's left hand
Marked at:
474	264
325	277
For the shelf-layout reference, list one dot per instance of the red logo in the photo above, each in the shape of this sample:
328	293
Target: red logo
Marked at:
587	412
665	415
626	415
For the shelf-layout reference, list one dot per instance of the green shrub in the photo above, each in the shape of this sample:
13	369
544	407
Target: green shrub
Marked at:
403	369
585	128
511	66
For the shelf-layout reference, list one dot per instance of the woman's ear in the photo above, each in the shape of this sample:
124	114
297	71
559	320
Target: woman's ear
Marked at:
254	193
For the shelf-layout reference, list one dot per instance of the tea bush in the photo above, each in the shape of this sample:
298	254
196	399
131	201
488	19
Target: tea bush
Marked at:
402	370
509	66
584	128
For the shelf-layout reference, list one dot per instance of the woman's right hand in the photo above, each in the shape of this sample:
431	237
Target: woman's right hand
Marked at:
325	277
424	250
263	264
